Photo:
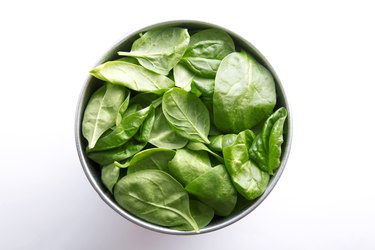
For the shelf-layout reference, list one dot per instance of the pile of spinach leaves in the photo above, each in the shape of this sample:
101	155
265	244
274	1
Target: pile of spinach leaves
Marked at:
171	127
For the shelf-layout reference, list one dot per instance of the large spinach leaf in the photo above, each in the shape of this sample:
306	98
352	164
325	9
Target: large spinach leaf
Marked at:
156	197
206	50
124	131
132	76
101	112
215	189
159	50
244	93
266	149
188	165
186	114
153	158
163	136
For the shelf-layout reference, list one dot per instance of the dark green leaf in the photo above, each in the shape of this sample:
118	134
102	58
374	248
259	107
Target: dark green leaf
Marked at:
156	197
110	175
201	213
188	165
215	189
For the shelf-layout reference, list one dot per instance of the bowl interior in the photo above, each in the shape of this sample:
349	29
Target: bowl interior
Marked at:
92	170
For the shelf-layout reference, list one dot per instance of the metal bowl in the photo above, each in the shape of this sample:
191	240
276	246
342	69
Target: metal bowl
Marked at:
92	170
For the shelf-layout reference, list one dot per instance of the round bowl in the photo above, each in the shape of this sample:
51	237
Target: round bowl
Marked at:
92	170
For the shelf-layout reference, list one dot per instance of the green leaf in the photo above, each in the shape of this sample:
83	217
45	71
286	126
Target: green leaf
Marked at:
244	93
159	50
153	158
220	141
188	165
132	76
198	146
215	189
101	111
117	154
266	149
186	114
124	105
144	132
201	213
110	175
247	178
163	136
206	50
124	131
156	197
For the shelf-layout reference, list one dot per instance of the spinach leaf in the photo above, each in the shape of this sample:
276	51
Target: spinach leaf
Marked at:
159	50
101	112
201	213
215	189
124	105
266	149
247	178
163	136
144	132
188	81
131	109
129	60
124	131
110	175
206	50
156	197
188	165
220	141
153	158
186	114
132	76
244	93
117	154
144	99
198	146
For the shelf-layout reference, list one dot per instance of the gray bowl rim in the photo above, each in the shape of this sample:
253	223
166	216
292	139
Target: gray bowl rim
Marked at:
209	228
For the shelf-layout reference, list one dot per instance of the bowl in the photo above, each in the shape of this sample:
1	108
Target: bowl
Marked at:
92	170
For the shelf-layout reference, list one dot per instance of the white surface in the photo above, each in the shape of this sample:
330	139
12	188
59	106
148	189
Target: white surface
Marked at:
324	55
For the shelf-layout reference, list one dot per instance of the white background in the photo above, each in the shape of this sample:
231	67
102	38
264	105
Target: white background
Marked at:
324	54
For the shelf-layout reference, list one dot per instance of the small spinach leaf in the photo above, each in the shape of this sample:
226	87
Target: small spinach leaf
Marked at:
220	141
132	76
144	132
163	136
198	146
215	189
206	50
156	197
186	114
244	93
247	178
110	175
201	213
124	105
188	165
124	131
117	154
153	158
159	50
266	149
101	112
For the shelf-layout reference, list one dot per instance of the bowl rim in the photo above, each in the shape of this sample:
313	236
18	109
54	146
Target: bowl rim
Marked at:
210	228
